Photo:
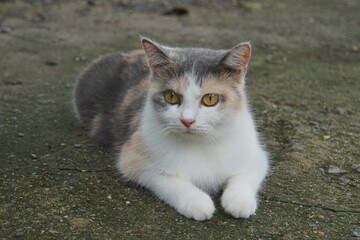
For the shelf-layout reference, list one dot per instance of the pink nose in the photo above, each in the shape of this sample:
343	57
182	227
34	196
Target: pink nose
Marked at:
187	122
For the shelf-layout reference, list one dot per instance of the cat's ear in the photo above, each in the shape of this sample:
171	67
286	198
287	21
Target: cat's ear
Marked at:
236	60
155	53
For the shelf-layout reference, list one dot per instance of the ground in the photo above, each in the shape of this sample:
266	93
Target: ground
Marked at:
303	82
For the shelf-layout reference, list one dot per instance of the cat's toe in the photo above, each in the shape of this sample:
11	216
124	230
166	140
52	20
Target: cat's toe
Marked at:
199	207
239	204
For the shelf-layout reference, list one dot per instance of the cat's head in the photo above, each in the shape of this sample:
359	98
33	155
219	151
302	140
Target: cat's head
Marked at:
196	91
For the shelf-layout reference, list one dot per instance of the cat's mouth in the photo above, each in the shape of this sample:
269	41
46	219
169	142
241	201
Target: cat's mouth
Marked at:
178	130
192	131
186	131
189	131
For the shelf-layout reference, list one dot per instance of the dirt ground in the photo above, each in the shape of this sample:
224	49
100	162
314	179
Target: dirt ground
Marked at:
303	80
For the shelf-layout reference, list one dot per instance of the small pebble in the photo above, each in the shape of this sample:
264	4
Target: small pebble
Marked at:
21	135
313	123
326	137
314	225
339	111
355	166
80	58
77	145
6	29
34	156
325	128
251	5
109	197
320	233
19	234
354	49
335	169
53	231
127	203
356	233
345	180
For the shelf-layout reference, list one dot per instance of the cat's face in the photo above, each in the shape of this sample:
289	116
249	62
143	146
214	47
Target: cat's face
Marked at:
196	91
186	106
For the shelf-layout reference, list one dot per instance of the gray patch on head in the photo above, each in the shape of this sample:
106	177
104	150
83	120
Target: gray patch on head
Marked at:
199	62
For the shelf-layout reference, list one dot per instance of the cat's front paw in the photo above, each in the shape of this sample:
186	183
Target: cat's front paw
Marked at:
199	207
239	204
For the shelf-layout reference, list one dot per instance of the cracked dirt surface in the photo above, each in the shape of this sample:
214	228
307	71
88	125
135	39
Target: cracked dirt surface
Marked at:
57	183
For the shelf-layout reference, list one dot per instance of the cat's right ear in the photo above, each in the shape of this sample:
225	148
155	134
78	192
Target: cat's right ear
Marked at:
156	55
236	60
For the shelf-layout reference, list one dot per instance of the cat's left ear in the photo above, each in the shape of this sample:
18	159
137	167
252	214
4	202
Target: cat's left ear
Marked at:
236	60
155	53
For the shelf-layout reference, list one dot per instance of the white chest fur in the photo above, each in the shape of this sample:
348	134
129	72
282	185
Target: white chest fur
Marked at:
207	165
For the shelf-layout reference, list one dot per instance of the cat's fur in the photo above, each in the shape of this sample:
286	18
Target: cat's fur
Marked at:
120	99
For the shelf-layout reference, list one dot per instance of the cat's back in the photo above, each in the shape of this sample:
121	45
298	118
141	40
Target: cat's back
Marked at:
104	86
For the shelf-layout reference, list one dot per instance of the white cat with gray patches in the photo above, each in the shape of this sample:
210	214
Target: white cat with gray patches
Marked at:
179	121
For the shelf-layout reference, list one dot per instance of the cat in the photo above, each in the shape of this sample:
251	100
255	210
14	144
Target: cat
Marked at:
179	122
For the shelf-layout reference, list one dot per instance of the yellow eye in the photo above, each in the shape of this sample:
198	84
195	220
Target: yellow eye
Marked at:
171	97
210	100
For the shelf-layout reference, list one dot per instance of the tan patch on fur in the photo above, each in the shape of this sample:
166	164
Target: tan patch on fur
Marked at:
131	57
135	122
134	94
95	125
134	53
133	157
180	84
226	86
